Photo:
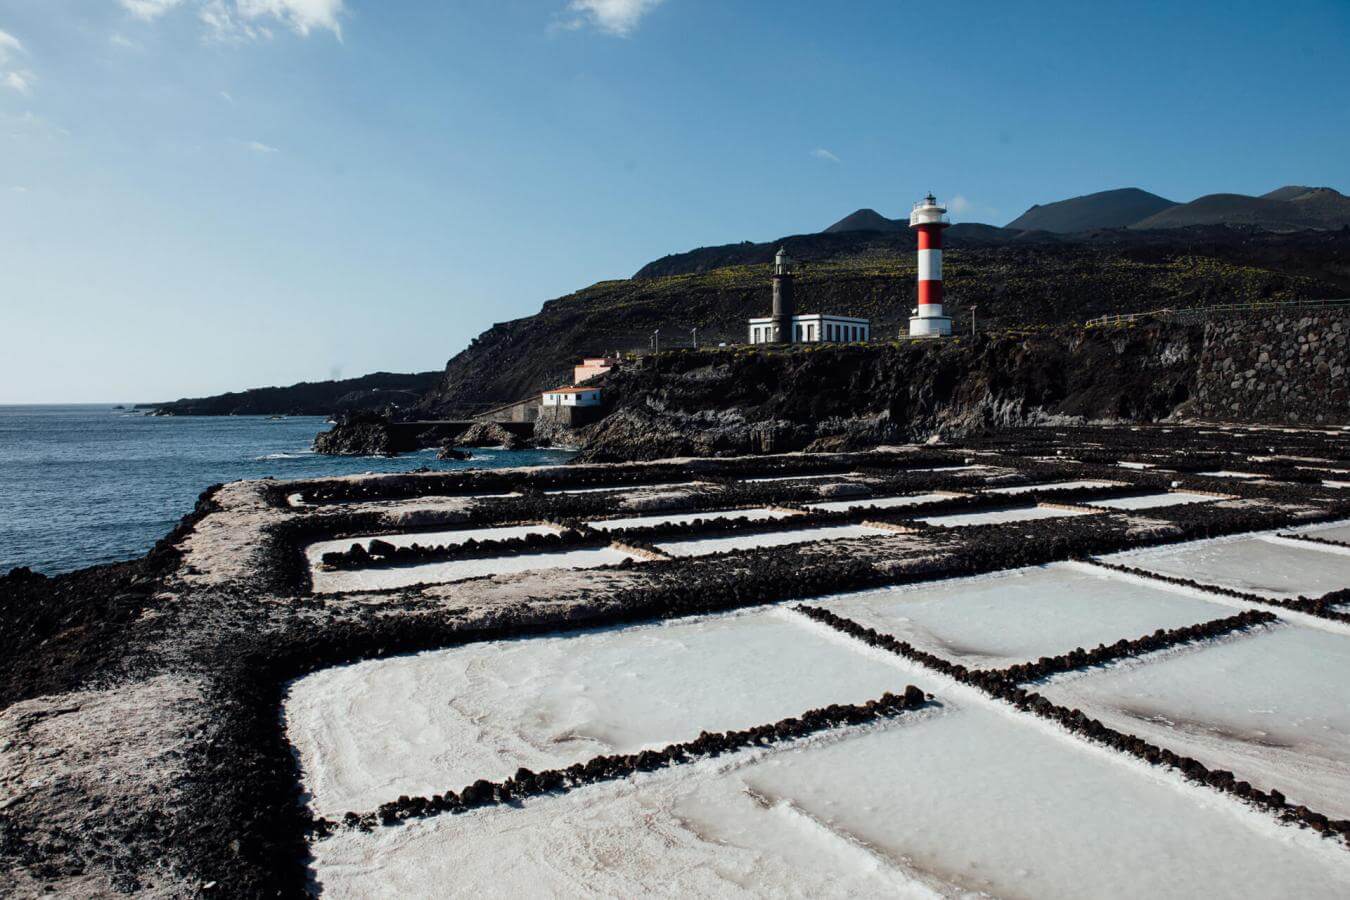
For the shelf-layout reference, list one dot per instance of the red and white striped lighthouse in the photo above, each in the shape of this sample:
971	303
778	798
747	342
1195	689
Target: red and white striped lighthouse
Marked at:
928	219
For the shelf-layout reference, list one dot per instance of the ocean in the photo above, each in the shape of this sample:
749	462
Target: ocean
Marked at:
84	485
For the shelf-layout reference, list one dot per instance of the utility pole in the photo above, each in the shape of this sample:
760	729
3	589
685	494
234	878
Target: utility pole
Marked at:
695	331
656	341
972	320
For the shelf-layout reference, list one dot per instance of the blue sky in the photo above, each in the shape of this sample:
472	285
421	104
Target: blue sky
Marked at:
206	195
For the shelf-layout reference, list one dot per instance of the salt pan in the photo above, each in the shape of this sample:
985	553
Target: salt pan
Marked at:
1273	707
367	733
1154	501
963	802
1022	514
456	570
704	546
1247	563
998	620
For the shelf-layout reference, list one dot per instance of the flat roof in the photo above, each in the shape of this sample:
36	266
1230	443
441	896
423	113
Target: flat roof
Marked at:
569	389
832	318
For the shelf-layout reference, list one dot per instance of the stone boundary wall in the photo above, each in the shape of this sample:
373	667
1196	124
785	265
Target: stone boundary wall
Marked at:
1276	368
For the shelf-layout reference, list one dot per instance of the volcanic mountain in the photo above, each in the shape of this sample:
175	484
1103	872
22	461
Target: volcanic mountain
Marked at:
866	220
1104	209
1292	208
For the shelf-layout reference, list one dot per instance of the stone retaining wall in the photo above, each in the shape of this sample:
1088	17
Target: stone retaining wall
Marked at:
1279	368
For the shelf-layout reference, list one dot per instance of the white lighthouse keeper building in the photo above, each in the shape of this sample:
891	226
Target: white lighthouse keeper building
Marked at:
928	219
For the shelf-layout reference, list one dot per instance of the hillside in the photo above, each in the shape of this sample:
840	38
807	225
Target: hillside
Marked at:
1292	208
866	220
1105	209
1013	282
309	398
824	245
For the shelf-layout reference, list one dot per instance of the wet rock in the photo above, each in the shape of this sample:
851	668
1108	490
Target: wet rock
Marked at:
359	434
490	434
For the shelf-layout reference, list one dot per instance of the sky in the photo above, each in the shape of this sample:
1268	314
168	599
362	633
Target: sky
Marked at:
208	195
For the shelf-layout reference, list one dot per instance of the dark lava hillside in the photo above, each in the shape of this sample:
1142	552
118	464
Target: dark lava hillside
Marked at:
379	390
1291	208
1014	281
1105	209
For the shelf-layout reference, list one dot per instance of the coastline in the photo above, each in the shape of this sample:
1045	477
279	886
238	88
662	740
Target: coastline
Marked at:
183	657
87	484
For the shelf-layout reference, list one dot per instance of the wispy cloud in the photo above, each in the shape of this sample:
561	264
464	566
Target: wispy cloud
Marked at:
121	40
20	80
260	147
822	153
30	126
960	205
148	10
9	45
249	20
617	17
225	95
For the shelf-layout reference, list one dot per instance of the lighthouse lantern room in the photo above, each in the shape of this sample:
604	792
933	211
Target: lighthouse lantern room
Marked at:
928	219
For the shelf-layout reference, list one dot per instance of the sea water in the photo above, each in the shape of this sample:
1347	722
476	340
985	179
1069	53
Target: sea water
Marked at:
83	485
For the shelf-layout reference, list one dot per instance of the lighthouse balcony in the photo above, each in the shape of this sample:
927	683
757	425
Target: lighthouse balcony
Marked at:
928	215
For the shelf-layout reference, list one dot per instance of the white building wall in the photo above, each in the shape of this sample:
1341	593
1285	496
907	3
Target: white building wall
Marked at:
814	329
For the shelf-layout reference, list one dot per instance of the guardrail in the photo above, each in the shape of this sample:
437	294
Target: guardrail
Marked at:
1206	312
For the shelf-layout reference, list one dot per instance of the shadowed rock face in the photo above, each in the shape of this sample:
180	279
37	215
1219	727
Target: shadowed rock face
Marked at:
1282	368
490	434
830	398
374	434
362	434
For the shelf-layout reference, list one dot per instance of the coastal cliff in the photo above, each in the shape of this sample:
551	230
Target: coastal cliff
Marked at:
1016	279
838	397
834	397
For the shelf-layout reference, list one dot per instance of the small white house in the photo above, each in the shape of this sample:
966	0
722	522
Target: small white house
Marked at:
814	329
571	396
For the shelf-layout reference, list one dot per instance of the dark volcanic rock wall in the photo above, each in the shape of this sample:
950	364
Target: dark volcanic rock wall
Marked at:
1287	369
836	397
